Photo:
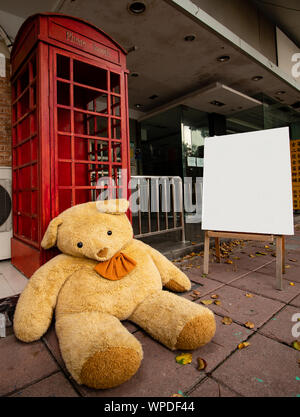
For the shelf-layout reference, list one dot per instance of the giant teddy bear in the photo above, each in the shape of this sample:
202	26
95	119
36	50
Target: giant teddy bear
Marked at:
102	277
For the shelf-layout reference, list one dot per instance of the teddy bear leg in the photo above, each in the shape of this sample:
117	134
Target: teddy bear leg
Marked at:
97	349
174	321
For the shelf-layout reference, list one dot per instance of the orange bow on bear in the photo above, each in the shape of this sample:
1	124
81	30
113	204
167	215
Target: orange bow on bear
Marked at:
116	267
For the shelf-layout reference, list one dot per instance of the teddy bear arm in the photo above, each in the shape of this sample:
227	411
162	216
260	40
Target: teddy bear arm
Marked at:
36	304
172	277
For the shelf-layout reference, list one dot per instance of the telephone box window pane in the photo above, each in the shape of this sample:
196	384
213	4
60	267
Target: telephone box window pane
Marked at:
24	155
64	200
34	94
80	123
98	126
81	174
116	129
34	148
101	104
82	196
88	99
90	75
64	173
23	104
24	178
25	226
25	201
34	173
23	129
34	197
99	151
63	93
24	80
33	62
115	83
63	67
64	147
116	152
81	149
34	230
115	106
33	128
63	120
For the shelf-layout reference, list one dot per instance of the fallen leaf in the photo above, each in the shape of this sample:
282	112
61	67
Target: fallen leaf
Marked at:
287	266
201	364
249	295
227	320
243	345
228	261
292	284
214	296
296	344
193	243
204	275
176	395
251	256
249	324
206	302
236	257
196	292
267	247
184	358
260	253
293	260
217	302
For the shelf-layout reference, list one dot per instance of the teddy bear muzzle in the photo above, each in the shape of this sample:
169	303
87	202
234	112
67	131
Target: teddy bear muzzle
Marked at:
102	253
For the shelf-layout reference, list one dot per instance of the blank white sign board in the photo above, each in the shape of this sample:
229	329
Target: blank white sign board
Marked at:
247	185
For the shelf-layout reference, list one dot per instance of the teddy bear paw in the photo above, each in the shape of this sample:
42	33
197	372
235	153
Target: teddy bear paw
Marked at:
197	332
110	367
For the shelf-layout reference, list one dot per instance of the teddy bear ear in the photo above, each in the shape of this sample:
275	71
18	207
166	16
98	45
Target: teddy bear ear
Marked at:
119	206
50	235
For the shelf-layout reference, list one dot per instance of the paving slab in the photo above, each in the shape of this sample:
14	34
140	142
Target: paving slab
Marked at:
292	272
210	388
220	272
201	284
159	374
241	309
225	341
56	385
265	285
266	368
296	301
23	364
280	326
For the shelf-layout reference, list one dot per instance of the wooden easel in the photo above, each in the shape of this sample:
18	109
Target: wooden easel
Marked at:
280	249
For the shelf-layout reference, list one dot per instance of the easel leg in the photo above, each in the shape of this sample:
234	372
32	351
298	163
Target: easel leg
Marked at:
283	254
206	253
217	247
279	260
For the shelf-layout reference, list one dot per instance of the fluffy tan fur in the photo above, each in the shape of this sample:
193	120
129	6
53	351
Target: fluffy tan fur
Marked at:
89	308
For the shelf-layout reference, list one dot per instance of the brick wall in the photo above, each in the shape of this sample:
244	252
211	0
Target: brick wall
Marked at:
5	118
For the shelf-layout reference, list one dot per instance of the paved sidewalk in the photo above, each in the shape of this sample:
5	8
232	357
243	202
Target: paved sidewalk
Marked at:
268	366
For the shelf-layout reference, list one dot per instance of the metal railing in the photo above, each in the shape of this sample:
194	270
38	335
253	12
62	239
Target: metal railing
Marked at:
160	205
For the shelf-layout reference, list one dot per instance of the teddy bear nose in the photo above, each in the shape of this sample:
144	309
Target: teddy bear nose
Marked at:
102	253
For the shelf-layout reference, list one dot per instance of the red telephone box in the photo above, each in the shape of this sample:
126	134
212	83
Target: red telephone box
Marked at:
70	125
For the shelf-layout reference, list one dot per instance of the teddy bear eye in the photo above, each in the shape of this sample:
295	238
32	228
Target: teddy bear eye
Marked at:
109	232
80	244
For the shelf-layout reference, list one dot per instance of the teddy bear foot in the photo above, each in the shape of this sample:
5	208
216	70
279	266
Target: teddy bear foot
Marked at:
197	332
110	368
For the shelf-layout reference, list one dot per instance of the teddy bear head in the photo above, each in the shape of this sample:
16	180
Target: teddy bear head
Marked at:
95	230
